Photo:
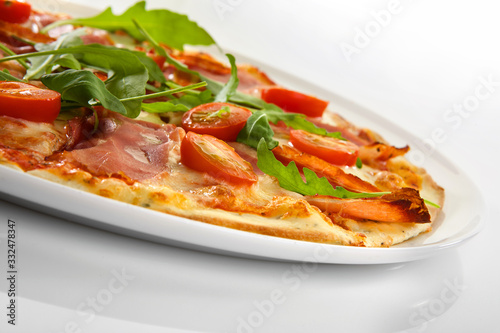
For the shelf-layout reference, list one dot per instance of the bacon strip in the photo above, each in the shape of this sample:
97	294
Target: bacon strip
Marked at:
403	205
249	76
335	175
347	132
13	67
30	30
377	154
8	30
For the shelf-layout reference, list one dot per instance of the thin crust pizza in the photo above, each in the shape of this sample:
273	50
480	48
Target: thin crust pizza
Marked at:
115	105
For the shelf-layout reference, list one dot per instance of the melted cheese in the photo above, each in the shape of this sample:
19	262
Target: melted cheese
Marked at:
41	138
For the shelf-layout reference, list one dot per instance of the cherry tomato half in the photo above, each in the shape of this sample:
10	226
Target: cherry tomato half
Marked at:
335	151
208	154
14	11
222	120
26	101
293	101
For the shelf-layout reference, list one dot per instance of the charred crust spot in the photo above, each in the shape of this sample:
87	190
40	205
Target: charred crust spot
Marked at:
105	193
408	200
158	196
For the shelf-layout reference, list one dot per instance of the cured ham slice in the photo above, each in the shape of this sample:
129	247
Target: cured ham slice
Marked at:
135	149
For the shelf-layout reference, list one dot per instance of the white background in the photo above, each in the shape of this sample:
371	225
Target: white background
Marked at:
414	67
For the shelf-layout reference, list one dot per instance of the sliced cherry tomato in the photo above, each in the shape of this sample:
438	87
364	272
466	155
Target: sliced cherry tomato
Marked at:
26	101
335	151
14	11
208	154
101	75
222	120
293	101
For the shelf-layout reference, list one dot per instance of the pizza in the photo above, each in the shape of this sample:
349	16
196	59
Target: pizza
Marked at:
125	107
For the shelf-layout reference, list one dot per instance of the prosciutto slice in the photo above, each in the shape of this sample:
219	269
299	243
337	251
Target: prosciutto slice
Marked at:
121	146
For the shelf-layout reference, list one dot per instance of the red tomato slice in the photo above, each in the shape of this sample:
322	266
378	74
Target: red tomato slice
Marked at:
101	75
334	151
222	120
13	11
293	101
26	101
208	154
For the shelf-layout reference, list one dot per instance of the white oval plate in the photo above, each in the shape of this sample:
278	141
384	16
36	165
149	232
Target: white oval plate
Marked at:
462	219
463	213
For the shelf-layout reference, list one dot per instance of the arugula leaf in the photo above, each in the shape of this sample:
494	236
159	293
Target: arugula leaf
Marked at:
68	61
432	203
191	98
290	178
253	102
195	99
257	129
299	121
223	92
173	29
224	112
359	163
6	76
231	85
161	51
160	107
127	75
44	64
165	92
8	52
342	193
83	88
155	73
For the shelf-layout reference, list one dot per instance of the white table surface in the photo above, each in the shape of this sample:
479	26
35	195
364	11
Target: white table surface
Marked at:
424	60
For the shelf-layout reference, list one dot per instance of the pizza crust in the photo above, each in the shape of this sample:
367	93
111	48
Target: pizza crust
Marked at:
283	216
